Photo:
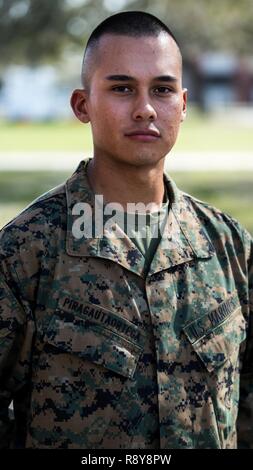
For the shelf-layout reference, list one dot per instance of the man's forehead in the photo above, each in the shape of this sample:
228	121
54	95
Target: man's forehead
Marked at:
128	53
162	42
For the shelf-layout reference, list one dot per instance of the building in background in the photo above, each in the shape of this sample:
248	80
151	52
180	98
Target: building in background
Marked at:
215	81
39	93
220	80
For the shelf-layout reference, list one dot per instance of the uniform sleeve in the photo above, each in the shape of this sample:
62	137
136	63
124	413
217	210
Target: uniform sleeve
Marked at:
245	416
16	332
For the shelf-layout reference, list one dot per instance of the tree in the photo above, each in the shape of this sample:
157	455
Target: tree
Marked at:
37	30
206	24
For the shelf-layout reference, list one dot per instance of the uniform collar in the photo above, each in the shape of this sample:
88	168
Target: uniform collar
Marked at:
110	245
183	239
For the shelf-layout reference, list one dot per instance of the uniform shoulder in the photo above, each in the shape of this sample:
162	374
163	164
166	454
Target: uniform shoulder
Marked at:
216	221
43	206
43	216
208	209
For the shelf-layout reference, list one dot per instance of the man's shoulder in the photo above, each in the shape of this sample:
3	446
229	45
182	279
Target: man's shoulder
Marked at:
45	214
208	215
208	211
216	222
43	207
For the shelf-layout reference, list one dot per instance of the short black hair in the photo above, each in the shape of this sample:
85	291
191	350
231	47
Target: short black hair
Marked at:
130	23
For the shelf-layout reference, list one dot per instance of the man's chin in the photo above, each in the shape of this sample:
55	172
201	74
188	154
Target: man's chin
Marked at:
145	159
136	159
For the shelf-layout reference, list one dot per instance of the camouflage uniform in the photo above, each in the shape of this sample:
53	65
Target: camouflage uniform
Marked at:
96	355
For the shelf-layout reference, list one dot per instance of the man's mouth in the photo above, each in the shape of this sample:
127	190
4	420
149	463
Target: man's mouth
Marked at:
144	135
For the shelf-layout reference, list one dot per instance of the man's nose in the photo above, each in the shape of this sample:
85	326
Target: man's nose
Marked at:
144	109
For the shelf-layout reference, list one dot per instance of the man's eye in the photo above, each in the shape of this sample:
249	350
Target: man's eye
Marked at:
122	89
162	90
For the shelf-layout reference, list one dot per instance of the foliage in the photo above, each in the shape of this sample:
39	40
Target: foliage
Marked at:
206	24
37	30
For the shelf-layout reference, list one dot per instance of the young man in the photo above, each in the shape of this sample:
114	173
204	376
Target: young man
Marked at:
112	337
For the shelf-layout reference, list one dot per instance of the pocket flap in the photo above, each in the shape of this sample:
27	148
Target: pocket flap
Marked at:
90	341
12	314
216	336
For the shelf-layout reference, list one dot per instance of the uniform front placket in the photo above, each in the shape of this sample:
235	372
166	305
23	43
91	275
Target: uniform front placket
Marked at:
162	303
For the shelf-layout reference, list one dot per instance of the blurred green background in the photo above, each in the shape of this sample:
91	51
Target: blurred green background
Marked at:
228	190
41	38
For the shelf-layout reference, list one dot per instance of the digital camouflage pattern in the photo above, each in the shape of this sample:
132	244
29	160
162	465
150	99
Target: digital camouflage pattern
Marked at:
96	355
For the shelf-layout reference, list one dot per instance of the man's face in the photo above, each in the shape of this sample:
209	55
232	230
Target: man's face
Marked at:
135	101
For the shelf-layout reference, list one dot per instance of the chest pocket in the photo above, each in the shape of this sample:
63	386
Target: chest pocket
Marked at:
216	337
68	333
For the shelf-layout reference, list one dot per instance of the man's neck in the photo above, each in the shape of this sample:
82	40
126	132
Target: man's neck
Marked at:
124	184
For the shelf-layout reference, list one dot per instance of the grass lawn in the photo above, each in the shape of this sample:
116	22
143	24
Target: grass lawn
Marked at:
67	136
231	192
198	133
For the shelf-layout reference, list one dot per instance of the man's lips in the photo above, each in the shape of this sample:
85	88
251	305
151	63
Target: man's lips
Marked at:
144	135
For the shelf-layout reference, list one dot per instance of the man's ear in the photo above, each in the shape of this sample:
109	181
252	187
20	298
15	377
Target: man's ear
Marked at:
78	103
183	114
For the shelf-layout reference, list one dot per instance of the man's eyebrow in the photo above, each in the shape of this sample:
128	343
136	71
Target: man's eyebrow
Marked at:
127	78
120	78
165	78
